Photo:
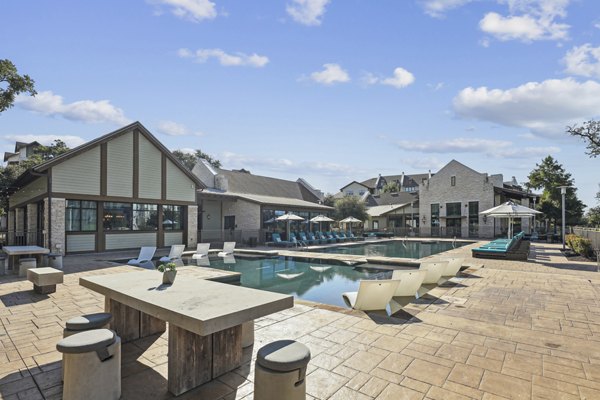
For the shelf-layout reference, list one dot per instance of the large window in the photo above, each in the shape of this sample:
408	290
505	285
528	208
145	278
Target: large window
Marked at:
453	210
80	216
173	218
127	216
435	215
145	217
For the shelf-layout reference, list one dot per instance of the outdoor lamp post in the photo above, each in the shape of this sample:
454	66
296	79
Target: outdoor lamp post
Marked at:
563	192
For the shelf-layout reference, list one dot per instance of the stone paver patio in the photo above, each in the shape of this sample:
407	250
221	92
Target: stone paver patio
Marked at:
517	330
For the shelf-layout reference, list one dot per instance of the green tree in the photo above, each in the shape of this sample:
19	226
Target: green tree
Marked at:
589	132
593	217
350	206
548	176
329	200
10	173
391	187
12	84
189	159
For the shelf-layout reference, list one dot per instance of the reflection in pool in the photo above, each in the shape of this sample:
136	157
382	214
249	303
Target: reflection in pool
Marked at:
395	248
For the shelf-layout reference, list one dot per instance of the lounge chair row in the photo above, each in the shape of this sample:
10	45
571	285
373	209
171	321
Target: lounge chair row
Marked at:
310	238
144	259
514	248
404	286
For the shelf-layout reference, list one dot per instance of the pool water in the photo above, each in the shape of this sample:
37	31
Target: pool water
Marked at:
395	248
306	279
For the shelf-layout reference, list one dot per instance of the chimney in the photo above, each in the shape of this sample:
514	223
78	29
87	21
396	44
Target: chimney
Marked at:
429	174
514	181
402	181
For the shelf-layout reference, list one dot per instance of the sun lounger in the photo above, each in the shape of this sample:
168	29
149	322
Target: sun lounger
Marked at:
228	248
371	295
434	270
144	259
201	251
410	282
174	254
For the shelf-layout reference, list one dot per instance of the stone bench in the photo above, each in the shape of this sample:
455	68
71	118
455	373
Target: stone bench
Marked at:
44	279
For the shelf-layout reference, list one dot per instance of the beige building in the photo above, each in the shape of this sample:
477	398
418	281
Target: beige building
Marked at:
123	190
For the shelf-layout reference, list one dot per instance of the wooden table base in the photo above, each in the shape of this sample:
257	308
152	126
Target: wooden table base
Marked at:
131	324
195	359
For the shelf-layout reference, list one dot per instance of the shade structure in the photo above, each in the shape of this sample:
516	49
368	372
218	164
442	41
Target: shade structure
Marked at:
289	217
321	218
350	220
510	210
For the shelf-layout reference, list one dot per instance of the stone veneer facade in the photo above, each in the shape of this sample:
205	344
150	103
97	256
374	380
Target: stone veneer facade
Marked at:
57	229
192	226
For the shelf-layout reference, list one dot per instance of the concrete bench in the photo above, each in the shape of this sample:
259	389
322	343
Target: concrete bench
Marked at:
44	279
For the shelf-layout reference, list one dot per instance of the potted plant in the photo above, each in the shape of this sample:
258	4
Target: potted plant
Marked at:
169	271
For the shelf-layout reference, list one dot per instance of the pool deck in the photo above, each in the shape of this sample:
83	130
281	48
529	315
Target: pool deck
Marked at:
507	329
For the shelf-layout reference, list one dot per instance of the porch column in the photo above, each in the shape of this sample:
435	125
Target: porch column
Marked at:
31	225
192	226
57	229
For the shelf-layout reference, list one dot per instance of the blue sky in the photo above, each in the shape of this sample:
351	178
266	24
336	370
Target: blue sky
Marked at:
328	90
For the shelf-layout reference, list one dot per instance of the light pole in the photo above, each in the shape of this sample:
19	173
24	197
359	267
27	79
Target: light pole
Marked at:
563	192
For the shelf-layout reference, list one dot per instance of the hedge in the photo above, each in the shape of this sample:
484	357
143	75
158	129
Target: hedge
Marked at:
579	245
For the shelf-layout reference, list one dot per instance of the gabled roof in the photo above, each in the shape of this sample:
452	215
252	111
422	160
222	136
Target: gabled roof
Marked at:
30	174
263	199
409	180
378	211
358	183
247	183
395	198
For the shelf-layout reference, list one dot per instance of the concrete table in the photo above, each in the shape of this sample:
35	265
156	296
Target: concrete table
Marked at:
203	315
15	251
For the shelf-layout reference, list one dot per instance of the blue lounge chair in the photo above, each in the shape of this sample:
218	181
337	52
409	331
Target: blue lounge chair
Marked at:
278	242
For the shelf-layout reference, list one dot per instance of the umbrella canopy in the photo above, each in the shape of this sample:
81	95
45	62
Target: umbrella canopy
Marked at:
510	210
289	217
350	220
321	218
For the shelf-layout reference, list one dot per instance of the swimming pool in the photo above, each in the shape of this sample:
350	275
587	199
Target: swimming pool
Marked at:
395	248
309	279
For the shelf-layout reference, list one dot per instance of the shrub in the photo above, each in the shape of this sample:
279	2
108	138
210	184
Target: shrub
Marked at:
579	245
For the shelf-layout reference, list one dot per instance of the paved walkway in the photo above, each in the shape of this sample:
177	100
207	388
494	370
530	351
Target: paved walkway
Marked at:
518	330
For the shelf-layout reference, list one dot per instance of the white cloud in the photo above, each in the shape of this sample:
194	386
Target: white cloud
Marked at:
307	12
90	111
437	8
172	128
544	108
237	59
191	10
528	20
401	79
332	73
70	140
488	147
437	86
583	60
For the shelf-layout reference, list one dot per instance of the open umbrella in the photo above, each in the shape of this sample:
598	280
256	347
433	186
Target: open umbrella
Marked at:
350	220
289	217
321	218
510	210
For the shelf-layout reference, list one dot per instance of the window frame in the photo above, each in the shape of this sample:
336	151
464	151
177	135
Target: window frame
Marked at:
80	208
171	208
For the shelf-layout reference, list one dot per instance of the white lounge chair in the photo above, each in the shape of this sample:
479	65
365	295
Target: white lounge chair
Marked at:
434	271
410	282
201	251
174	254
452	268
228	248
144	258
371	295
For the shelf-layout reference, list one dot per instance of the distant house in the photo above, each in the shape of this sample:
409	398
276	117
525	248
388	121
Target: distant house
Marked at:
374	186
237	202
120	191
392	210
450	202
22	152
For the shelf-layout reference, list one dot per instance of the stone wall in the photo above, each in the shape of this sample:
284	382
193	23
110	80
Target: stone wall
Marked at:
247	214
57	229
470	186
192	226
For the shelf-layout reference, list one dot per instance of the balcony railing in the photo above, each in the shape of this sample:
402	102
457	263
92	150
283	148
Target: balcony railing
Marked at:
22	238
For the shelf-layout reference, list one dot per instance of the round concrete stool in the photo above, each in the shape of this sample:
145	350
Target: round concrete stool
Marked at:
92	365
247	334
280	371
55	260
86	323
25	264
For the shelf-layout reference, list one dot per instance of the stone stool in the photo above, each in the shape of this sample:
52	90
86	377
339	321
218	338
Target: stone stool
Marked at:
247	334
91	365
25	264
280	371
87	322
55	260
44	279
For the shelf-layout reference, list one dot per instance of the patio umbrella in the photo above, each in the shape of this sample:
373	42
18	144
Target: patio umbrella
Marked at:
321	218
510	210
289	217
350	220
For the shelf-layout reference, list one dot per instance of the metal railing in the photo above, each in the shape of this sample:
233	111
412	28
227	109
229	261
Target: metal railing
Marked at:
22	238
